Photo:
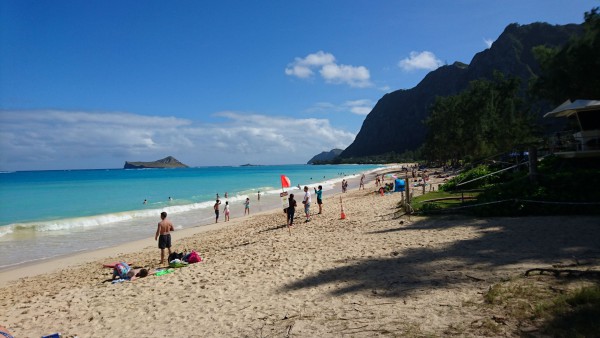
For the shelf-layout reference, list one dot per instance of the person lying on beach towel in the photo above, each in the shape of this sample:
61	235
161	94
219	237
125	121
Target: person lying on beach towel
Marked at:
4	332
123	271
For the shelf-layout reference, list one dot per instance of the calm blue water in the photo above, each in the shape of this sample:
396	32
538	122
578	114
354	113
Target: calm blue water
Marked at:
73	210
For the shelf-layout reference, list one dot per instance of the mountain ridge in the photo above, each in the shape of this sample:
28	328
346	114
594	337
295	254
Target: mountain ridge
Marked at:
395	123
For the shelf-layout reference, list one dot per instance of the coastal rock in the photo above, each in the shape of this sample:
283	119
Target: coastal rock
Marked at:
396	122
325	156
167	162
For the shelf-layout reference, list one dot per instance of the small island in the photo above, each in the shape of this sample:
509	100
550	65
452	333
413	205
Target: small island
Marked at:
167	162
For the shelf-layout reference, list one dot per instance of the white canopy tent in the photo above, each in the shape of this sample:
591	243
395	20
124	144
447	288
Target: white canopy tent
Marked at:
587	113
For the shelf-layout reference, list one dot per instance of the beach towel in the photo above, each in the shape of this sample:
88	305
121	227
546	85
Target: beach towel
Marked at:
177	263
162	272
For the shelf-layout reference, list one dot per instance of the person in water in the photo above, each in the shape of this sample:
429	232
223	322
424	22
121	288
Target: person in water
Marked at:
226	211
216	207
163	235
247	206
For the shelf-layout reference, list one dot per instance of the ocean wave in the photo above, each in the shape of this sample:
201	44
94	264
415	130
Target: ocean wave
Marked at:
102	220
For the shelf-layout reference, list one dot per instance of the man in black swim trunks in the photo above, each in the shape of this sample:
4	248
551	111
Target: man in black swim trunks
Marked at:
163	235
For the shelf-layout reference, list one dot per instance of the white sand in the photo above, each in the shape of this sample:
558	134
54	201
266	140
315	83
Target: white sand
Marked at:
368	275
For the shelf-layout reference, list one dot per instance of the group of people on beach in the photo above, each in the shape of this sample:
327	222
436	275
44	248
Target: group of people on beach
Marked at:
226	209
165	226
306	201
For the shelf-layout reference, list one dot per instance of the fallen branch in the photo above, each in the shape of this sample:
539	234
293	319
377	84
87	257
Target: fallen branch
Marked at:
476	279
566	272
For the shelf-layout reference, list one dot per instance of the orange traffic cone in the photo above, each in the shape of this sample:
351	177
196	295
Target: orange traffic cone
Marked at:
343	215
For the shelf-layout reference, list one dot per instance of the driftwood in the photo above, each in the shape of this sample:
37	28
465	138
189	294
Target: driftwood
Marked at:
566	272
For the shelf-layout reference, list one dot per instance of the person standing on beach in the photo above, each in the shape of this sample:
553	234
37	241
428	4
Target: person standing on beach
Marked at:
226	210
259	195
306	201
247	206
216	207
319	194
291	210
163	235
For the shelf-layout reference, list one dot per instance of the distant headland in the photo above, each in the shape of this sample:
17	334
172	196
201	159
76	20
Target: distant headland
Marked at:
167	162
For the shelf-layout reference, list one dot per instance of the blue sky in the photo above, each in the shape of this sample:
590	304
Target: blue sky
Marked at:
91	84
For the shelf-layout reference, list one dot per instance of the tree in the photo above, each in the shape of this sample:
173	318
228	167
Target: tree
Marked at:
573	71
485	119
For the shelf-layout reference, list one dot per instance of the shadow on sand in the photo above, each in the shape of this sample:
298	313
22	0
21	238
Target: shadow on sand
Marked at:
487	257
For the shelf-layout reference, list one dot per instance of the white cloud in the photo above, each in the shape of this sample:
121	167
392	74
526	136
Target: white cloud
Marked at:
423	60
488	42
330	71
358	107
80	140
354	76
302	67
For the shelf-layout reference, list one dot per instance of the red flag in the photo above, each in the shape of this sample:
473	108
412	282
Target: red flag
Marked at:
285	182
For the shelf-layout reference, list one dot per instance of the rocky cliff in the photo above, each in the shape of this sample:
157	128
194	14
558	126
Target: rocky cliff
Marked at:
396	122
325	156
167	162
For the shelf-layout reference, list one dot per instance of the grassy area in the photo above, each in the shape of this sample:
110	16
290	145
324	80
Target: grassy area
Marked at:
562	186
420	203
568	309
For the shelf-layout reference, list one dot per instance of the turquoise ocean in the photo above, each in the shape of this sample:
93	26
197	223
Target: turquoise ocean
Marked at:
47	214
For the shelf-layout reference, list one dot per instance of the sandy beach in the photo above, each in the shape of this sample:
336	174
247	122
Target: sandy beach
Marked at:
375	273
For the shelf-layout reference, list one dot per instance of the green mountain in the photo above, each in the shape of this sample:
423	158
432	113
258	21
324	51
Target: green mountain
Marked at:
325	156
396	122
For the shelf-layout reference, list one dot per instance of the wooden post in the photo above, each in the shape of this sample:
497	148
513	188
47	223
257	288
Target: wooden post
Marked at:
407	191
533	172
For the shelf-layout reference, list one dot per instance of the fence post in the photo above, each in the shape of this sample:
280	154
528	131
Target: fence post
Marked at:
407	190
533	173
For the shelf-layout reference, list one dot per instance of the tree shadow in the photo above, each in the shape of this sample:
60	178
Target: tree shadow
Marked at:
498	245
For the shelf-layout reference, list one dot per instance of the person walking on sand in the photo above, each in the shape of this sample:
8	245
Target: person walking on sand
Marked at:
319	194
163	235
306	201
226	210
259	195
362	182
247	206
291	210
216	207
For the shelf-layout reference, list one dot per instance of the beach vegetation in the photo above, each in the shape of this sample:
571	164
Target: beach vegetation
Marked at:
441	200
575	314
562	186
487	118
569	309
408	156
573	70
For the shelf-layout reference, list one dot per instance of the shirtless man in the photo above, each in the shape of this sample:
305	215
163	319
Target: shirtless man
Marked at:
163	235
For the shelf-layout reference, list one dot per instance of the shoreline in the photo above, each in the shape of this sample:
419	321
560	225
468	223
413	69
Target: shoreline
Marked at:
54	264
